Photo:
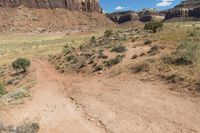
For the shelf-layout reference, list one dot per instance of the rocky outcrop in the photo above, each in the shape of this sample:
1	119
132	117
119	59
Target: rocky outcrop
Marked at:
151	15
78	5
122	17
186	10
196	13
143	16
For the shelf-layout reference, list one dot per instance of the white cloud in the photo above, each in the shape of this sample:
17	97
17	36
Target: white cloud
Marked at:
121	8
163	3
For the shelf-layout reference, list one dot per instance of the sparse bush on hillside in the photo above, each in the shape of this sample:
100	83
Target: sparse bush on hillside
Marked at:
28	127
194	35
21	64
67	49
153	49
101	54
134	56
98	68
81	47
2	89
72	59
142	67
153	26
118	49
185	54
174	78
147	42
112	62
93	39
108	33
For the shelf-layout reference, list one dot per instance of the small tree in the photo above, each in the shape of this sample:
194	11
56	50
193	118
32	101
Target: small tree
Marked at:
153	26
21	64
93	39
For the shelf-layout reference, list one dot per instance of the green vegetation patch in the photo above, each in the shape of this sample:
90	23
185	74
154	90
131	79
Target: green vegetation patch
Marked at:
28	127
21	64
186	53
153	26
118	49
112	62
2	89
141	67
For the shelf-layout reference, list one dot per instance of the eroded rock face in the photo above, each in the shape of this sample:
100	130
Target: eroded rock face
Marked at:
151	15
122	17
78	5
143	16
186	10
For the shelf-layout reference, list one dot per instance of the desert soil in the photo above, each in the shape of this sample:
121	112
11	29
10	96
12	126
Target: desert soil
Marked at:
99	103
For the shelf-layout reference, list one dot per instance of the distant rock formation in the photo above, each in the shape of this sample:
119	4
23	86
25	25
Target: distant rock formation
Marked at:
78	5
143	16
186	10
151	15
122	17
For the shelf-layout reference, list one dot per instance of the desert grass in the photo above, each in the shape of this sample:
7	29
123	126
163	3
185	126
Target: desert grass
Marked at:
37	45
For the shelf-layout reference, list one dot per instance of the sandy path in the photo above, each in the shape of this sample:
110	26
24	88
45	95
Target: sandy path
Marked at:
54	112
128	105
121	104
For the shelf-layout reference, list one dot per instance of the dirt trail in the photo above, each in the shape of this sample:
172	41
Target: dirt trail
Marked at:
127	105
121	104
49	106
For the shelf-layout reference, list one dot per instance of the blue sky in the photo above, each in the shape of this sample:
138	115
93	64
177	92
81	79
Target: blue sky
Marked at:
118	5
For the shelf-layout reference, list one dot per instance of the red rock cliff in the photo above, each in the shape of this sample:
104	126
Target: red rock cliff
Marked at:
78	5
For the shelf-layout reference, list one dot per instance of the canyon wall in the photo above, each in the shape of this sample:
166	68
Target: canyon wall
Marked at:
186	10
77	5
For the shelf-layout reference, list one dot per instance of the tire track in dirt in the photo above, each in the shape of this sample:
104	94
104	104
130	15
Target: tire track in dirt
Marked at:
49	106
98	104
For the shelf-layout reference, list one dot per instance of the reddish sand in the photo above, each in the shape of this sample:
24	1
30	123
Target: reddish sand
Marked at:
120	104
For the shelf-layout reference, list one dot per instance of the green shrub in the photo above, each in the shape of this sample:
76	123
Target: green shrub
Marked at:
67	49
153	26
108	33
112	62
101	54
195	33
153	49
2	90
147	42
25	127
118	49
192	33
71	59
185	54
98	68
81	47
30	127
93	39
21	64
141	67
174	78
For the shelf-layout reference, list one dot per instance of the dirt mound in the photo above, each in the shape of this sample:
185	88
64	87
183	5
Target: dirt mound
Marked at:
28	19
96	55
